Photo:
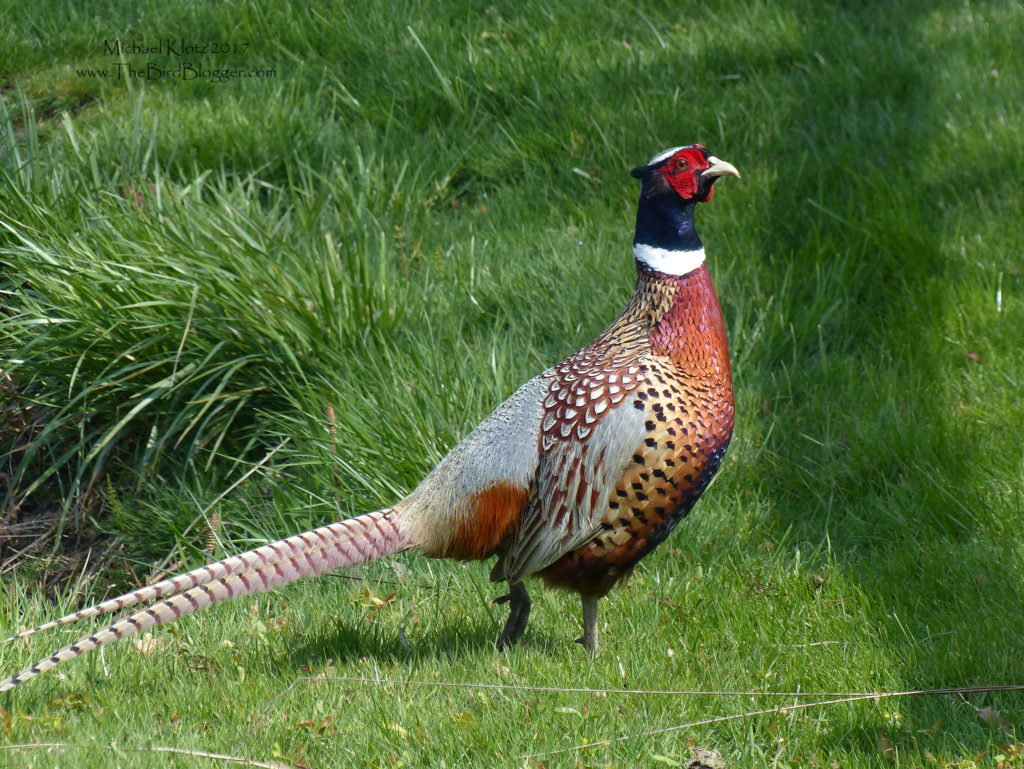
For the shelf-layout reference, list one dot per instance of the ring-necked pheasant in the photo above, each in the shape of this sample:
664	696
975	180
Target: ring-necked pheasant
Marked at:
574	478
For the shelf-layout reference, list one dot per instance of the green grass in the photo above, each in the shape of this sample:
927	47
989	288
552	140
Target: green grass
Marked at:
421	209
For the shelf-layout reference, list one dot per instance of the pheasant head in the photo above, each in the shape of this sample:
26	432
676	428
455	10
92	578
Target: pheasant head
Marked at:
674	182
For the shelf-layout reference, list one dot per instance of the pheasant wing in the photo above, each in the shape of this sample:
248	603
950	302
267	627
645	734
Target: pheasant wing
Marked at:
591	432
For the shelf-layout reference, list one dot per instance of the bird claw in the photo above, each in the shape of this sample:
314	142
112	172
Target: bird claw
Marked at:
591	646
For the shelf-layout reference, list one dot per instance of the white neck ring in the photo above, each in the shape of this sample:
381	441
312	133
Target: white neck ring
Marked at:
670	262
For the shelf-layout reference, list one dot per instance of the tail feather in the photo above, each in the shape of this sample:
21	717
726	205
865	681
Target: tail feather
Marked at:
172	586
340	545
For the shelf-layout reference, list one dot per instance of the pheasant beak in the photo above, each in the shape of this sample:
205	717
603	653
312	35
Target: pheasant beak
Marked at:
720	168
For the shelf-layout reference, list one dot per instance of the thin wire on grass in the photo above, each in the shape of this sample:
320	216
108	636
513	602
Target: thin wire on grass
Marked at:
822	699
781	710
841	696
155	749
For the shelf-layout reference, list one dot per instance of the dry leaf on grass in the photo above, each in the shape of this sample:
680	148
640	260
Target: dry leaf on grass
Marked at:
885	748
993	717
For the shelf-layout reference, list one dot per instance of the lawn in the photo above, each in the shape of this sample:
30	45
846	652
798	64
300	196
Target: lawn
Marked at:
272	277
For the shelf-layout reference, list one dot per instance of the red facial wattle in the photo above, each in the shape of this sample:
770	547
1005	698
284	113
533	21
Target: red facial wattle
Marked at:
683	170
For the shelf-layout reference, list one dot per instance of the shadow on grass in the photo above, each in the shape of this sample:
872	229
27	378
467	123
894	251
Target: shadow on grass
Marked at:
465	639
880	467
353	642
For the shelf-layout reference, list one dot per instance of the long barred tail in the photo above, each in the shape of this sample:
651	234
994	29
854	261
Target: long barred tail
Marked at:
338	546
172	586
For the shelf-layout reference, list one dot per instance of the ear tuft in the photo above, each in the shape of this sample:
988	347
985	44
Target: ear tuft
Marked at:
640	172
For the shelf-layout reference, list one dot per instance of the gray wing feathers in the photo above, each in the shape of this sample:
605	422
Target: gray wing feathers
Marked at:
502	449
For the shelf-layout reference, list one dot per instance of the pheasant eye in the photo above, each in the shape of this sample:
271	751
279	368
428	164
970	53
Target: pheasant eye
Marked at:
680	164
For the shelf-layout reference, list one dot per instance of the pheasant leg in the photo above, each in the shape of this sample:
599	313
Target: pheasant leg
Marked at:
518	613
589	639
